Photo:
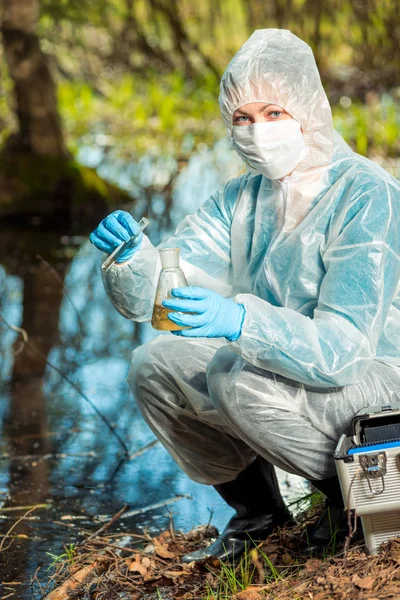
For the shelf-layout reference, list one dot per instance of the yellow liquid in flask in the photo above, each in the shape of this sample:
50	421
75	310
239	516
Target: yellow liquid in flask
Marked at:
171	277
161	322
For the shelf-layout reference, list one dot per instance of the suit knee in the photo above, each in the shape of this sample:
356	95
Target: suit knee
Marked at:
146	359
221	373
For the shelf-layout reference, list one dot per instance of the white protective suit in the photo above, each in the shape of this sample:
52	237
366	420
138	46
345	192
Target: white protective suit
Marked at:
314	259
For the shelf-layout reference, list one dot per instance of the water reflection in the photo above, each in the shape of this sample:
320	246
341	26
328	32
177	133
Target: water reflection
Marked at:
55	450
32	293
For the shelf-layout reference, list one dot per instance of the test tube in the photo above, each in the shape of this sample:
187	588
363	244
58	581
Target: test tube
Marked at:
119	250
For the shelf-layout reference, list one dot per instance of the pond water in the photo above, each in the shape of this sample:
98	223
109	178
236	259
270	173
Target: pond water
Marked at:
56	452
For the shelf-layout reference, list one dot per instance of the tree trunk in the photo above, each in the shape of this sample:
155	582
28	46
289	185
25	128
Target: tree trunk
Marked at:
35	92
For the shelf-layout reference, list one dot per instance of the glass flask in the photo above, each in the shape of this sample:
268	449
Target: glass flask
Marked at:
171	276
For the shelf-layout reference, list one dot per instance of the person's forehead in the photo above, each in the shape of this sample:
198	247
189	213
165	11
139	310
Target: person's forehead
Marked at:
257	106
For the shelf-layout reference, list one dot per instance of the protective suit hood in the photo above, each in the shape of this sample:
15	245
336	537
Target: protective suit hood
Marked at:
275	66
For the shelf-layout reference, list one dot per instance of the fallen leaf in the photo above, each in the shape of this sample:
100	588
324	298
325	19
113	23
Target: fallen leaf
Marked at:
312	565
364	583
270	548
273	558
287	559
146	562
386	573
209	577
396	557
137	567
320	596
214	562
199	533
249	594
163	552
174	574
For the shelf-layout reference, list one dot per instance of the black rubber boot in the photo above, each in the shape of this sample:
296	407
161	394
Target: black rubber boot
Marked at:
332	526
259	506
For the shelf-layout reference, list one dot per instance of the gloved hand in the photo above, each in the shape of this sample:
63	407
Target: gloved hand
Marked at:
214	316
118	227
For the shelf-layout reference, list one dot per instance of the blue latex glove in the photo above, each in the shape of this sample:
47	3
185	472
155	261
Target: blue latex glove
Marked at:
214	316
118	227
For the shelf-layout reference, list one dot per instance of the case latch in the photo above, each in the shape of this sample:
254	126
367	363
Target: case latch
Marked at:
374	466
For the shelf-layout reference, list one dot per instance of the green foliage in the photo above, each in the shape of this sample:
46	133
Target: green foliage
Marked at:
275	575
68	556
131	117
233	578
7	119
77	11
371	127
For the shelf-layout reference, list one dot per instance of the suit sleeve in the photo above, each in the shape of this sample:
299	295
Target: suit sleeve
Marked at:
336	346
204	239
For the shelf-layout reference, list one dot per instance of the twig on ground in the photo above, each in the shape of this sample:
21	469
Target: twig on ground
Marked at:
108	544
141	537
64	591
139	511
143	450
171	524
2	549
7	455
209	522
71	526
35	578
8	595
17	508
106	525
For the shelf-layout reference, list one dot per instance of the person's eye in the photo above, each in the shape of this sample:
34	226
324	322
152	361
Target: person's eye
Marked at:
275	114
240	119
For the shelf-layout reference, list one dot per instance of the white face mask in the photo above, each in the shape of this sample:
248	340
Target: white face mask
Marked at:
273	149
